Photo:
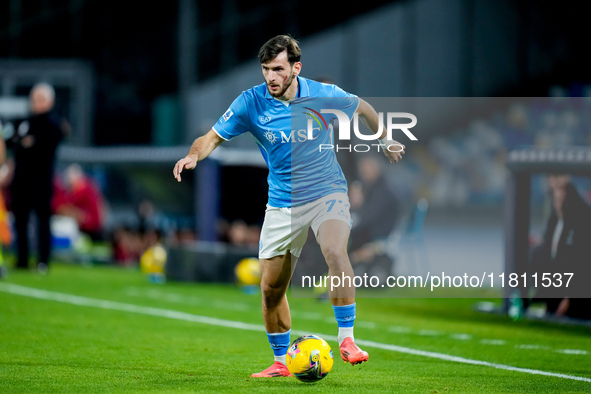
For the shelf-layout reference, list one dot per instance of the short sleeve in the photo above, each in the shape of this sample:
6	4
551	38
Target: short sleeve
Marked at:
234	121
338	92
349	102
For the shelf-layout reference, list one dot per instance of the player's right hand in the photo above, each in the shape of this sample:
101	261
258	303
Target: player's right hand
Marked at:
184	163
395	154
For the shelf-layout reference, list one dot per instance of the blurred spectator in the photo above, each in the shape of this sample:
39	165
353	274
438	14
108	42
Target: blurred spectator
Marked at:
186	236
376	208
2	146
4	225
128	246
153	259
239	233
131	241
517	128
6	175
34	145
253	235
5	236
146	212
566	247
78	197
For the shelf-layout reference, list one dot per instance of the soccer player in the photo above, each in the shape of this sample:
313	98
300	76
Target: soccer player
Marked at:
321	200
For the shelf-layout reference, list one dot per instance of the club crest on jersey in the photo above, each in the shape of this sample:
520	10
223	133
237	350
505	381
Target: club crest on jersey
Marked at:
269	135
264	119
227	115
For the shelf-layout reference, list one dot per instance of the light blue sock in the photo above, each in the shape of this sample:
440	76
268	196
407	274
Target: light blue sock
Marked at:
279	343
345	316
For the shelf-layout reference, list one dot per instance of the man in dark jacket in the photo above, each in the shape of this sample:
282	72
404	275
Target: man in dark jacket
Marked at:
378	209
34	145
565	249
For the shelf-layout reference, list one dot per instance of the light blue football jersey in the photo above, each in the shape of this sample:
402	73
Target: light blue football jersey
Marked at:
299	171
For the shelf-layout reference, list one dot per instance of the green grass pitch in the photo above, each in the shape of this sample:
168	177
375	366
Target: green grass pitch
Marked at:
78	344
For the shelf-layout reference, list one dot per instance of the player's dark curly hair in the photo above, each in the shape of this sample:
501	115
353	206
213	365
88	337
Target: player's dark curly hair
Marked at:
278	44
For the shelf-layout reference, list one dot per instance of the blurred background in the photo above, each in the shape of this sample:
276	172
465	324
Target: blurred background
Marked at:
138	82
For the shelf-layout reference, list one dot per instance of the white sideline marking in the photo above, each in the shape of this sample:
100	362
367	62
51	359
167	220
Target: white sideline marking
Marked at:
572	351
366	324
186	300
308	315
532	347
493	342
430	333
119	306
399	329
461	337
189	300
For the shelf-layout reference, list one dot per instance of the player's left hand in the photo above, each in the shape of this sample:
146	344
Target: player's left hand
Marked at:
184	163
393	150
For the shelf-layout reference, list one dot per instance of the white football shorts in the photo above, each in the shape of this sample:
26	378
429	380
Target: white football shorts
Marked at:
286	229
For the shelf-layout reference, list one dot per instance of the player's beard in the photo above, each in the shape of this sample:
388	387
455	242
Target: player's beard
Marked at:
286	86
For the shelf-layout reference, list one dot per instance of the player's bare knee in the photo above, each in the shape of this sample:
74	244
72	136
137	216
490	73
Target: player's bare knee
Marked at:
272	293
334	255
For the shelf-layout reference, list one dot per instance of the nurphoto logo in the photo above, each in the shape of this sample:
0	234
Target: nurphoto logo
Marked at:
344	130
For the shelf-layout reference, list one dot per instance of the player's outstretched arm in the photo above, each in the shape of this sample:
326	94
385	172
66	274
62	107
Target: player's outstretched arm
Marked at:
368	115
200	149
